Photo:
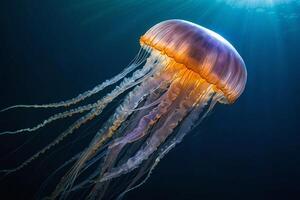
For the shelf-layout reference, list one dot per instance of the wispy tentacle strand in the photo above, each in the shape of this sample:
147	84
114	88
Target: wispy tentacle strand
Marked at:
137	61
101	104
158	137
122	112
70	130
53	118
141	130
186	126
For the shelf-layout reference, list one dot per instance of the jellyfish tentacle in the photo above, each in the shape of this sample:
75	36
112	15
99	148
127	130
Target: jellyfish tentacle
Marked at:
137	61
187	125
156	161
149	119
139	132
121	114
214	99
123	111
74	126
154	103
124	85
130	103
88	180
53	118
142	128
44	184
101	104
95	159
138	95
156	139
126	109
73	159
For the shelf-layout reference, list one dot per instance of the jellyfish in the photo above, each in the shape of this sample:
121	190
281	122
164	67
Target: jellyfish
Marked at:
180	73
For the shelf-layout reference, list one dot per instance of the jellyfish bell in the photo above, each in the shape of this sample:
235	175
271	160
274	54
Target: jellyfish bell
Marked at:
201	51
180	73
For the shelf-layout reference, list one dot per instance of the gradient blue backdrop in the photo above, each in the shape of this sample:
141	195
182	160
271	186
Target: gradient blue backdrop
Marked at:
52	50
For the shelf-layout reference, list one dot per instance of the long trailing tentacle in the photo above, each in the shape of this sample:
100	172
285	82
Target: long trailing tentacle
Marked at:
158	136
122	112
216	98
142	127
154	103
147	120
127	108
68	162
44	184
159	157
53	118
101	104
71	129
89	152
190	122
115	147
136	62
140	131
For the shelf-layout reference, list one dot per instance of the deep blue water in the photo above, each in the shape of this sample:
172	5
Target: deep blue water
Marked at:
52	50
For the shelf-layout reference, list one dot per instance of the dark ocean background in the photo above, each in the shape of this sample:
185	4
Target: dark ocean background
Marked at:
51	50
